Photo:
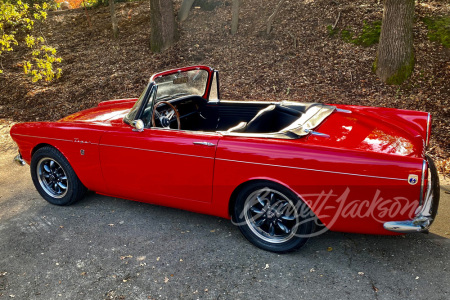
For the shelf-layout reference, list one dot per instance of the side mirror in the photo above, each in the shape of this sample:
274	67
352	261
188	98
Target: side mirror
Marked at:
138	125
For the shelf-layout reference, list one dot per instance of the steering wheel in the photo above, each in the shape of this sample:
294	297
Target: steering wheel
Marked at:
166	117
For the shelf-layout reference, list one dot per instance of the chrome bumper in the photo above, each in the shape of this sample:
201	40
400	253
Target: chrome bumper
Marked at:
18	160
427	212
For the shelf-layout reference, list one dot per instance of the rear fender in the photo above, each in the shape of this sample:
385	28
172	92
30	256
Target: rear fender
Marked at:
418	123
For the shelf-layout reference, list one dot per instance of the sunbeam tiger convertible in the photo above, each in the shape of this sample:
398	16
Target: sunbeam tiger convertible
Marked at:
281	171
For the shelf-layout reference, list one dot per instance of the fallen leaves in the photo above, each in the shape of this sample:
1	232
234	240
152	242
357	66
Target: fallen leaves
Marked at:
125	257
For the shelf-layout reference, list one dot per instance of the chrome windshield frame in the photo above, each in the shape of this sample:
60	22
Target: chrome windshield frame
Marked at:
139	104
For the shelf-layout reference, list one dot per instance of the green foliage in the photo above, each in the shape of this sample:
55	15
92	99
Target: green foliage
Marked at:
94	3
16	18
49	3
43	57
369	36
347	36
331	31
438	30
97	3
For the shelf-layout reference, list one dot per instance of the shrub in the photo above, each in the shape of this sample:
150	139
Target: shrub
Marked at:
438	30
369	36
17	18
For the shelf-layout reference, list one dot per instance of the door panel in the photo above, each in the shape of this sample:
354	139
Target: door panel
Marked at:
159	165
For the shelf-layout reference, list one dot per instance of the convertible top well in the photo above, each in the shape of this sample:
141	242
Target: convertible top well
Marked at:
285	120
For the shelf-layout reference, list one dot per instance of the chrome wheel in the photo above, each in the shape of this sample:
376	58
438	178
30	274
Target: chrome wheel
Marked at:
271	215
52	177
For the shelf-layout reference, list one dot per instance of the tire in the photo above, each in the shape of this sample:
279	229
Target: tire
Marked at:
272	217
54	178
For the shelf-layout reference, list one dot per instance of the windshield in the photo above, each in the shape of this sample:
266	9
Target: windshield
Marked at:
192	82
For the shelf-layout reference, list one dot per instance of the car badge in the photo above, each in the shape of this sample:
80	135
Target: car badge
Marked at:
413	179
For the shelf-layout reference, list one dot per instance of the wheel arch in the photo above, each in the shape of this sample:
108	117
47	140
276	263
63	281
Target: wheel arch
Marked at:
74	188
42	145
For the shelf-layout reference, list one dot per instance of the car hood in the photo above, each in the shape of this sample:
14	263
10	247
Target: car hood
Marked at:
380	130
105	111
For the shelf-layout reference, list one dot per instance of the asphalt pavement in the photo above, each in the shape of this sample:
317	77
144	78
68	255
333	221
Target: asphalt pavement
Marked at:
110	248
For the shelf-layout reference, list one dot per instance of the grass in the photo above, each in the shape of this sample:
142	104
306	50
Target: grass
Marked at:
370	34
438	29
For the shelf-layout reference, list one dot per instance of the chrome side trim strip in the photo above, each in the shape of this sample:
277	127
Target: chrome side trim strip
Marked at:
157	151
345	111
428	129
307	169
43	137
204	144
317	133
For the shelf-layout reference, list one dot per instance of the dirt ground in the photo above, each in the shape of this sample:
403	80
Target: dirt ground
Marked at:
298	60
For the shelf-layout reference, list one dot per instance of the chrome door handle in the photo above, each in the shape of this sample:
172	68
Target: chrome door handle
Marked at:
205	144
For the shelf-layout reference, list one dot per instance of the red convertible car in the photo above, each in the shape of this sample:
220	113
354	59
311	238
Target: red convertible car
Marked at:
282	171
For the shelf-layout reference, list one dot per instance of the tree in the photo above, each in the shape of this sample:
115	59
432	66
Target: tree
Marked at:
273	16
234	16
395	56
163	26
112	11
183	13
19	17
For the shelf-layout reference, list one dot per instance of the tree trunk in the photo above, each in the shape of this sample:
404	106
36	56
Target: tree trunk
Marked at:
184	9
234	16
112	11
163	26
273	16
395	55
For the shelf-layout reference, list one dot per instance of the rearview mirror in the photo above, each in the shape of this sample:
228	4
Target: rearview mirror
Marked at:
138	125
